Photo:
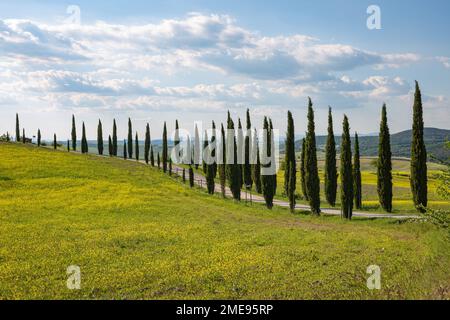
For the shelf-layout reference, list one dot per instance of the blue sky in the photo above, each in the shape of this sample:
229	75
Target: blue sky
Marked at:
193	60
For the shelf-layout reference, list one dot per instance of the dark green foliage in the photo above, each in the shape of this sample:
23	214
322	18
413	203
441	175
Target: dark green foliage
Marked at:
84	144
147	144
419	187
184	175
210	183
130	139
222	162
17	128
256	166
114	138
240	152
233	169
38	138
158	161
74	134
311	170
197	152
170	166
357	175
267	180
8	138
384	164
191	176
290	175
23	136
55	143
346	174
136	145
110	146
68	145
248	179
152	156
330	164
165	149
100	138
205	150
302	169
124	150
213	151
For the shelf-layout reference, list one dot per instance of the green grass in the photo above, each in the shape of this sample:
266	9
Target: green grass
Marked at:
139	234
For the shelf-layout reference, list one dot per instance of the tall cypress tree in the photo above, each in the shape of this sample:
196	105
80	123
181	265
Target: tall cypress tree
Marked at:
158	161
114	138
291	168
312	174
266	176
23	136
39	138
346	172
68	145
210	184
272	157
222	161
418	178
248	180
233	168
100	138
191	176
176	143
240	152
165	149
84	145
124	149
256	166
214	147
147	144
74	134
137	146
152	156
197	153
330	164
110	146
357	175
170	166
130	139
384	164
17	128
184	175
205	152
303	169
55	143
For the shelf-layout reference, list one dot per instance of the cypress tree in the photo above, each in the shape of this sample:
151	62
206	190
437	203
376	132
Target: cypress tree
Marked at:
114	138
197	153
17	128
384	164
68	145
312	174
240	152
84	145
110	146
418	178
256	167
55	144
205	151
38	138
233	171
184	175
100	138
23	136
210	184
272	157
214	147
137	146
74	134
303	169
147	144
165	149
346	172
248	180
170	166
357	175
291	168
266	176
124	149
8	139
130	139
177	152
191	176
158	160
330	164
222	162
152	156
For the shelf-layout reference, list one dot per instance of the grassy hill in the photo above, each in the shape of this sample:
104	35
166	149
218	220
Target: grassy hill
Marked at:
400	144
139	234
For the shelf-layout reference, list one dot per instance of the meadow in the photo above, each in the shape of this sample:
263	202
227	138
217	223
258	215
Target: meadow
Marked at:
137	233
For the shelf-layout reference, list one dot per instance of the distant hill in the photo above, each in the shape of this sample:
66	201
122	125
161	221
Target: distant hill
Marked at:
400	144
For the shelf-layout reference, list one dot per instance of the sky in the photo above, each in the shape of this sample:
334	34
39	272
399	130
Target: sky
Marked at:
157	61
